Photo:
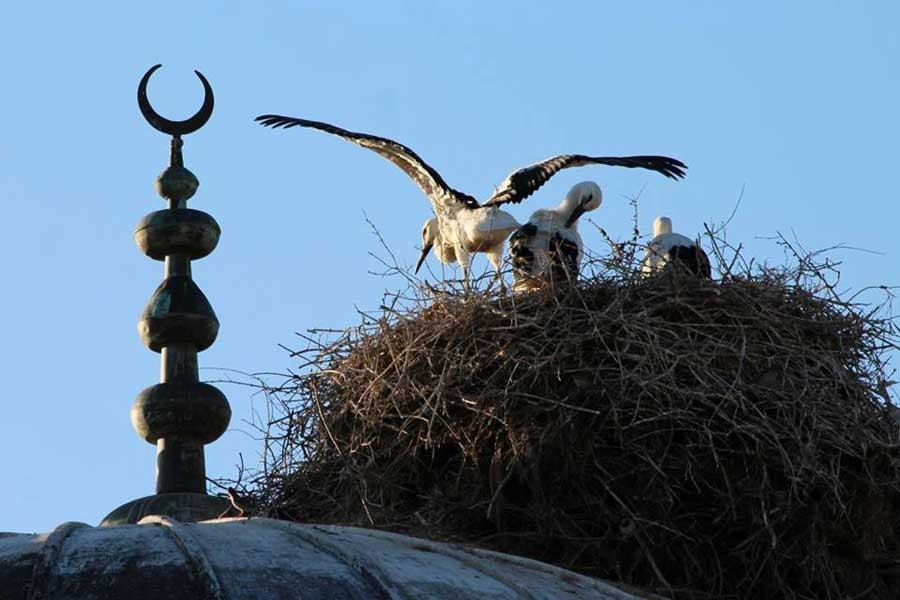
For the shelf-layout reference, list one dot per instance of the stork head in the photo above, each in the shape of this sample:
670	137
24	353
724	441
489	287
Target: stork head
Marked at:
581	198
431	233
662	225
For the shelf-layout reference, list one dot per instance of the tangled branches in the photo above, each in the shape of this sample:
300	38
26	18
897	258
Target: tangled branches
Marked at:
705	439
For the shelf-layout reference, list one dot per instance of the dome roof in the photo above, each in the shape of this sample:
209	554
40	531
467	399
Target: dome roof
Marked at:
266	558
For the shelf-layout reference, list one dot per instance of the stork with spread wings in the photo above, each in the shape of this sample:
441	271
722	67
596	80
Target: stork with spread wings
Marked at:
463	226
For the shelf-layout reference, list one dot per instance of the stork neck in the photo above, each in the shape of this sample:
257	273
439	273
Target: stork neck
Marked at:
565	210
569	211
662	225
566	207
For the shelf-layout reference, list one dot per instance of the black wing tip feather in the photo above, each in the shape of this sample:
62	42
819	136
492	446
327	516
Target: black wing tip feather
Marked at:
276	121
674	169
670	167
664	165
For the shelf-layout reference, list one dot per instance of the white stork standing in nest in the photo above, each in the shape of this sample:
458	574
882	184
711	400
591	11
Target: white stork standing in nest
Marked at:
462	226
667	248
548	248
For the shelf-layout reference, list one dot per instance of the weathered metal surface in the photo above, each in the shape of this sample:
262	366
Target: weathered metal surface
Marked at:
184	507
177	184
180	466
263	558
178	363
178	312
193	411
186	231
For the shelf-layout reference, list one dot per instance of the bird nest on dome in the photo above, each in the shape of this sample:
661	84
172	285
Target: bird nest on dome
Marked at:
704	439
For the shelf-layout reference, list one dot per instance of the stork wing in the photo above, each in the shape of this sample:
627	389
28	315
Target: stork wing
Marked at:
525	181
428	180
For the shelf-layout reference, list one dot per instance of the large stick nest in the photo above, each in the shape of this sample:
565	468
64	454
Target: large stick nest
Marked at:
727	439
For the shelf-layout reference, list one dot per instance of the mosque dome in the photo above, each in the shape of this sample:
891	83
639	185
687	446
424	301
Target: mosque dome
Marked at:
267	558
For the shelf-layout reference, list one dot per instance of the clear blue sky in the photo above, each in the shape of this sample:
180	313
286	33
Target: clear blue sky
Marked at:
796	101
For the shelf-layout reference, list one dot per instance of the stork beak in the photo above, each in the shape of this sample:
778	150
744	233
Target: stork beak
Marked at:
423	256
579	210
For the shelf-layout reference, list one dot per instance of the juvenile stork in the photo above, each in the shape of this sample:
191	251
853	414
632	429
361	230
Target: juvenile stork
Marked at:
548	248
462	226
666	248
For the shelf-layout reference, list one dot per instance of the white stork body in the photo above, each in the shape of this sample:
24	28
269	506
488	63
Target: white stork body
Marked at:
462	226
548	248
457	237
667	247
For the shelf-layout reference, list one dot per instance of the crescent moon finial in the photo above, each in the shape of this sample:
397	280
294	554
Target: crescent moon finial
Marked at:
175	128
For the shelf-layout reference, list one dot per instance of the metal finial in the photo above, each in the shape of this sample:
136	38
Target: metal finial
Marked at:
176	184
175	128
180	414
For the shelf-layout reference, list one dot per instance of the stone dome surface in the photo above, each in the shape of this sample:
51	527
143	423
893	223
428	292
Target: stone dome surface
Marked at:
266	558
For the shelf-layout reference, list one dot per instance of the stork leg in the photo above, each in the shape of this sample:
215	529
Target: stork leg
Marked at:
463	258
495	255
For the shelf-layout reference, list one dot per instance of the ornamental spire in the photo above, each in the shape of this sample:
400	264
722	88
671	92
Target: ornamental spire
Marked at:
179	415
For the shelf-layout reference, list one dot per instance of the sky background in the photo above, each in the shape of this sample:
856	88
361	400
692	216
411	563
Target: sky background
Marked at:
794	102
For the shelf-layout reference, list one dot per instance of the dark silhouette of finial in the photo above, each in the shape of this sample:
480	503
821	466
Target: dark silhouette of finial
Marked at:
175	128
180	414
